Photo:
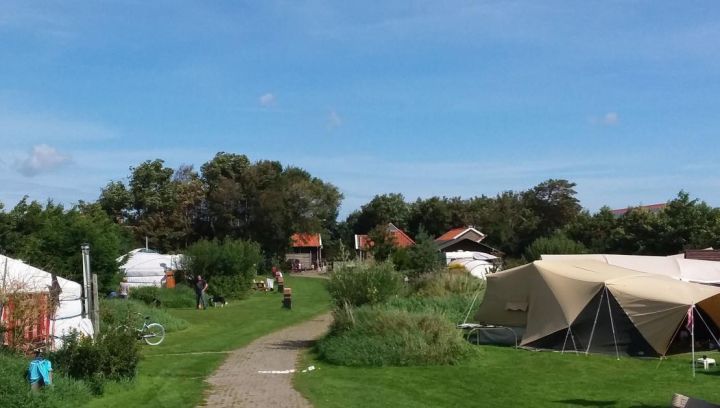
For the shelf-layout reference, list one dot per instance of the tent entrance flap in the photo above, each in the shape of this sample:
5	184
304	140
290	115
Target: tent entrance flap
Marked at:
627	338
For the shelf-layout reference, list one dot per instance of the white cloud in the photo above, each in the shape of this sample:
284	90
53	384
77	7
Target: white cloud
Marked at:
334	120
610	119
267	100
43	158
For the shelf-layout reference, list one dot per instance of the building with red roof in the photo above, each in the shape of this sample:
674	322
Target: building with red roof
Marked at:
466	238
306	251
363	243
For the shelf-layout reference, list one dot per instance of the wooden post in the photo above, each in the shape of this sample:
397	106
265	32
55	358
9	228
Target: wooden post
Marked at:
95	306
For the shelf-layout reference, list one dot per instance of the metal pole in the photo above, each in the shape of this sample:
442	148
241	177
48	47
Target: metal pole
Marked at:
592	332
612	326
692	335
85	248
96	306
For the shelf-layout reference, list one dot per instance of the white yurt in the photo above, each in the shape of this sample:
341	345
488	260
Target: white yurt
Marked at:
145	267
17	276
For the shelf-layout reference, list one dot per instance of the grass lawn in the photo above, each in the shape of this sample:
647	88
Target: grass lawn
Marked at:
172	374
505	377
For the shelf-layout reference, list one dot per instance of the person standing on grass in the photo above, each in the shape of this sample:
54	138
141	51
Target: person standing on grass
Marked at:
124	289
200	289
39	372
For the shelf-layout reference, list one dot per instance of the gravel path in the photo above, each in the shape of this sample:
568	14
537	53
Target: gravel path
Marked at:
258	375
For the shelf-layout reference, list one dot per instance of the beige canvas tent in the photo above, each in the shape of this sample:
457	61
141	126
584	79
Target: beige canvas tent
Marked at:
689	270
596	307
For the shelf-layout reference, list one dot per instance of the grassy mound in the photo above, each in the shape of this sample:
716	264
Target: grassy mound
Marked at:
382	336
114	312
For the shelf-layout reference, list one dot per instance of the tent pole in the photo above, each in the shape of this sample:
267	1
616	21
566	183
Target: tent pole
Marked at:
572	337
692	336
592	331
612	326
567	333
709	330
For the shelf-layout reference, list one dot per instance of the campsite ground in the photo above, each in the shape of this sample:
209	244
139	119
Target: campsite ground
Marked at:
174	373
505	377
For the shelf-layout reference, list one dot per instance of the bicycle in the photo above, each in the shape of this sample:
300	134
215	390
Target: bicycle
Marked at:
152	333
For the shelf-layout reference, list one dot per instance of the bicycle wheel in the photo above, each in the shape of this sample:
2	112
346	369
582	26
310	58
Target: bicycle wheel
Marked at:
154	334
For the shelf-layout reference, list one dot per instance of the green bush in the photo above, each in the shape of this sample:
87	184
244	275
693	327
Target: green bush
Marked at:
116	312
15	389
228	266
177	297
364	283
113	355
558	243
448	283
378	336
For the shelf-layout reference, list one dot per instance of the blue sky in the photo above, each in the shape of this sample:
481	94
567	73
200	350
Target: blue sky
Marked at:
423	98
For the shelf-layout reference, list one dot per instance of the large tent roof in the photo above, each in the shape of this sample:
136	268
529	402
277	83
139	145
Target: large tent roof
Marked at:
548	296
689	270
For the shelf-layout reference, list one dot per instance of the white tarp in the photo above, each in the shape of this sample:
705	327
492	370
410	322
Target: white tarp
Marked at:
144	267
688	270
15	274
477	263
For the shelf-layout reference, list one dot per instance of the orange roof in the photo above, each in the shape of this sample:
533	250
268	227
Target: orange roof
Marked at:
402	240
450	235
300	240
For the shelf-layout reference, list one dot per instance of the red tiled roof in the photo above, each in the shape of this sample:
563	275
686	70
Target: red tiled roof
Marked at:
450	235
402	240
651	208
301	240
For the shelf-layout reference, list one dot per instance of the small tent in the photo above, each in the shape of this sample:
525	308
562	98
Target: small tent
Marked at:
51	325
596	307
676	267
144	267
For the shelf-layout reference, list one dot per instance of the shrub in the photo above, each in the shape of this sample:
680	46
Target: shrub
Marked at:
554	244
177	297
118	312
448	283
229	266
424	255
14	387
113	355
365	283
377	336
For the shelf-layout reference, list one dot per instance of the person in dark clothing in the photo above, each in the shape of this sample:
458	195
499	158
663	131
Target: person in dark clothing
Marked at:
200	288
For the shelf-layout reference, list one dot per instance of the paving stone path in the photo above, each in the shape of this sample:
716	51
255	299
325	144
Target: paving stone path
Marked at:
258	375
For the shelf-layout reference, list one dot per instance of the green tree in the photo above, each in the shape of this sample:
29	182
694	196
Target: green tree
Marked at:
557	243
382	243
424	255
229	266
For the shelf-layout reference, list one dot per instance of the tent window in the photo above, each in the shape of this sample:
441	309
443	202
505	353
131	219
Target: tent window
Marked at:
516	306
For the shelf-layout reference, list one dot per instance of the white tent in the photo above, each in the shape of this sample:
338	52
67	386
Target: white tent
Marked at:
17	275
145	267
477	263
688	270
